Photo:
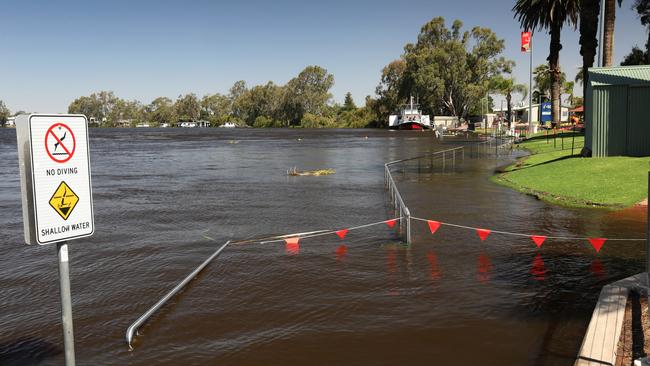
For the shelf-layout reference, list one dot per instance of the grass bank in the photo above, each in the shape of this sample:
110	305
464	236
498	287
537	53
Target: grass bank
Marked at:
553	174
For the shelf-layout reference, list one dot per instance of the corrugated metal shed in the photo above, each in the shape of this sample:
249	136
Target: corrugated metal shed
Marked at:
618	119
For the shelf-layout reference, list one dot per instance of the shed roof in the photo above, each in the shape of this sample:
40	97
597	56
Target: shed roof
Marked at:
620	75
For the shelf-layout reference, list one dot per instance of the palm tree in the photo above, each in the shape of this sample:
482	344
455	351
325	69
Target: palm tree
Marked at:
508	86
567	88
608	34
551	15
589	12
643	9
579	79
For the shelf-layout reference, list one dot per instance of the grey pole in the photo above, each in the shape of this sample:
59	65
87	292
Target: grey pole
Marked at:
647	246
530	89
66	302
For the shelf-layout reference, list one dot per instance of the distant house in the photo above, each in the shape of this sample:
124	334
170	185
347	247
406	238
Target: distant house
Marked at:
521	113
11	122
191	124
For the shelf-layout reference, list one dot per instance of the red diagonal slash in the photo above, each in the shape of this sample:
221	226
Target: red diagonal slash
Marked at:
60	143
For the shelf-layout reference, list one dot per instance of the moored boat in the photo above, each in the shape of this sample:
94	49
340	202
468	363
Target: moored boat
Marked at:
410	118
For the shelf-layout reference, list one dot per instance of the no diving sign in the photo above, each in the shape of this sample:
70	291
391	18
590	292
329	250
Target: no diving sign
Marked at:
55	177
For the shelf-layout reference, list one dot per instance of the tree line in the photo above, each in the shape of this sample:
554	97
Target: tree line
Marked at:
305	101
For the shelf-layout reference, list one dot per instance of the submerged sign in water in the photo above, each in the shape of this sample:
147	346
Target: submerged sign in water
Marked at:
55	177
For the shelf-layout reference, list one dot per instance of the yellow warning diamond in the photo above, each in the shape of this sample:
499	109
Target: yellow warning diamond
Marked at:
64	200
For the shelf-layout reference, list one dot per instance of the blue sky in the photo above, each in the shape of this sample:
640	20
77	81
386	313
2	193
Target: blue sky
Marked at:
54	51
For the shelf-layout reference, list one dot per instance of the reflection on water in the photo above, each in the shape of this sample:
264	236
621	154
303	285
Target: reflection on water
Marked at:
157	196
483	268
538	270
340	252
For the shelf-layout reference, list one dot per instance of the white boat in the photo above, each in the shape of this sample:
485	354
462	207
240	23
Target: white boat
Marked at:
410	118
142	125
228	125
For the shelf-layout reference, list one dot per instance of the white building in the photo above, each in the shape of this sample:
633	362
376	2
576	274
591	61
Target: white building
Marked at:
520	113
11	122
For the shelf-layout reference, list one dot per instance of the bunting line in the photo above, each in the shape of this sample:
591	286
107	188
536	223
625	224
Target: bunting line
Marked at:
522	234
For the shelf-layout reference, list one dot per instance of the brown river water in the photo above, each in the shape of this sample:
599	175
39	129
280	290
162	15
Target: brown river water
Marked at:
446	299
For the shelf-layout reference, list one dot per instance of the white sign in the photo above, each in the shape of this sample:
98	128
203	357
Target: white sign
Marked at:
55	177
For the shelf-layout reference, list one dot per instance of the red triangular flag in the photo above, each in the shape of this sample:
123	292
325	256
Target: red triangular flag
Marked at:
292	246
433	226
597	243
390	223
538	239
342	233
483	233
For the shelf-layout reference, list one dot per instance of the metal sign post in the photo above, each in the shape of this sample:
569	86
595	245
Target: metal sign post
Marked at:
66	303
53	156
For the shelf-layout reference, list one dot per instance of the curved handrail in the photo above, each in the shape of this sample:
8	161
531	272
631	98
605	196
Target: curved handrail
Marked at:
131	332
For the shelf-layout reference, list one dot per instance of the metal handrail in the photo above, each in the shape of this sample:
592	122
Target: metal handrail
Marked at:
133	329
425	155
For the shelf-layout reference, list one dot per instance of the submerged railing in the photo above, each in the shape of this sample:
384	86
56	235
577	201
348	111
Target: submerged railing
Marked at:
446	159
132	331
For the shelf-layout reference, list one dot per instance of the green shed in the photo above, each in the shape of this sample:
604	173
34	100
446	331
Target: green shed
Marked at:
618	116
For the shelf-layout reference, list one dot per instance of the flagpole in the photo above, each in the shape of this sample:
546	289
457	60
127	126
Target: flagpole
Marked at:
530	88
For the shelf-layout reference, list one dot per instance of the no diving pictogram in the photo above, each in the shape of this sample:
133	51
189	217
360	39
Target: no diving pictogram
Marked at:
60	142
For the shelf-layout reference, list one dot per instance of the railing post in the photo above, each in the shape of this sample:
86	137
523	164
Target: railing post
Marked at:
443	161
647	246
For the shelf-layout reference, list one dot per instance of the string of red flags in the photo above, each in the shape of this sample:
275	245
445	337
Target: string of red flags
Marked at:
292	241
596	243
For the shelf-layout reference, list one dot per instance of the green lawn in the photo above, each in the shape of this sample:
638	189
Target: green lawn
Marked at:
554	175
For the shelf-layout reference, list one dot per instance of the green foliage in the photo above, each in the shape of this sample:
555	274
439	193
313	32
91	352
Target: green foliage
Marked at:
4	113
160	111
636	57
215	108
449	69
310	120
266	122
348	104
187	107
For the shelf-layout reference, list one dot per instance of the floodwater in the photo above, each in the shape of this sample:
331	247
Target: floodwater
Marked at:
446	299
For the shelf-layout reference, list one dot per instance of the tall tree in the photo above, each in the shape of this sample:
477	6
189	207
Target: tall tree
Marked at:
507	86
450	70
215	108
309	92
589	13
4	113
550	15
635	57
348	103
187	107
643	9
608	33
389	90
161	110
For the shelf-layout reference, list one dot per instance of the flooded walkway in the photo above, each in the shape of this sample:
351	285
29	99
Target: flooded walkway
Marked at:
365	300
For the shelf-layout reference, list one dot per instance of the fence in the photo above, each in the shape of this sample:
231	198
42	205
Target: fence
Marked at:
446	159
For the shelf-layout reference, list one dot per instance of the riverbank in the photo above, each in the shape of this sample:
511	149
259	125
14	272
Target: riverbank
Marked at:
556	173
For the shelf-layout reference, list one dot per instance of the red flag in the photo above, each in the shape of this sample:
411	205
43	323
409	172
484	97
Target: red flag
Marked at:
390	223
525	41
538	239
342	233
483	233
433	226
292	247
597	243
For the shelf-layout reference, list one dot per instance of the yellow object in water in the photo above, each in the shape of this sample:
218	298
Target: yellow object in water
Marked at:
318	172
